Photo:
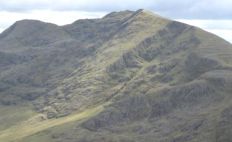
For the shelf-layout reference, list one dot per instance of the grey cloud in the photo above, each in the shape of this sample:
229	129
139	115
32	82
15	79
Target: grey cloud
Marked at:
198	9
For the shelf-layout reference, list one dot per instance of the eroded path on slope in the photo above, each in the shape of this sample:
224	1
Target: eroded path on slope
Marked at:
33	126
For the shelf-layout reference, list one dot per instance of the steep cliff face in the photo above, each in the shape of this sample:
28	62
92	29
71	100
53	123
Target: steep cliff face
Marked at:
148	78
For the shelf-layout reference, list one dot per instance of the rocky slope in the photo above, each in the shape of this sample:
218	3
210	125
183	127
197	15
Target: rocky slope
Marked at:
129	76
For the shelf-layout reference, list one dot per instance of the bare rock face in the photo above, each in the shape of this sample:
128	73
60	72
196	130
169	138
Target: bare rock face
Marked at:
162	80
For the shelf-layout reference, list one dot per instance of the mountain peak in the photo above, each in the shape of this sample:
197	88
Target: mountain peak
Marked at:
28	21
148	12
32	33
118	14
31	23
141	10
130	13
25	25
130	76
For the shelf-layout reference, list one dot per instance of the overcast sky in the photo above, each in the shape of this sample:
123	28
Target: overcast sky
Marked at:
212	15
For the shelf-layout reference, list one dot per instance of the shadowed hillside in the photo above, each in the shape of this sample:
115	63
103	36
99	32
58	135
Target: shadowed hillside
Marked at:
129	76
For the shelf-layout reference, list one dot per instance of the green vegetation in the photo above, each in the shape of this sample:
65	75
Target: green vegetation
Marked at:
129	76
12	115
38	124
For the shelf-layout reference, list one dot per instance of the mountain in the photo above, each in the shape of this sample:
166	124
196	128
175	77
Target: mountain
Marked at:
131	76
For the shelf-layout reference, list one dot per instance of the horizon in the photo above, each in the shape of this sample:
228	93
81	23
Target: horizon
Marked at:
212	16
201	23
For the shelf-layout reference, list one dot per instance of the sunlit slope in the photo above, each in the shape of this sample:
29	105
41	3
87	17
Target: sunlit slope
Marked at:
165	81
37	124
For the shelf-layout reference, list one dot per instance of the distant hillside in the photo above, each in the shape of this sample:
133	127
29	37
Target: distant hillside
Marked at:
131	76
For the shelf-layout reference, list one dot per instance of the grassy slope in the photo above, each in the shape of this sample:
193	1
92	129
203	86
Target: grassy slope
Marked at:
37	130
11	115
33	125
91	79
